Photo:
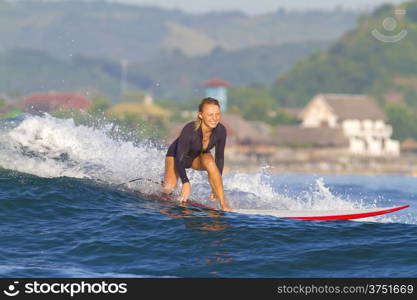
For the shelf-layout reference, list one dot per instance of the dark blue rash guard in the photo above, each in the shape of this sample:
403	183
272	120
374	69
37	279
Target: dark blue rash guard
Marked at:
189	145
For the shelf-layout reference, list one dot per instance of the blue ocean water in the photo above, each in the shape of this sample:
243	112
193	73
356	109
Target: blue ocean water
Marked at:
62	214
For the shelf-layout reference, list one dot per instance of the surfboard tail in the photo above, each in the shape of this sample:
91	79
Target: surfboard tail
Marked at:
351	216
317	215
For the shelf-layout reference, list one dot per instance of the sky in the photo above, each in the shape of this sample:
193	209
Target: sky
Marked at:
252	7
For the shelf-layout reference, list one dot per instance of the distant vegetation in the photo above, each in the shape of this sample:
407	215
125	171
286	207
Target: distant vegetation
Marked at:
179	77
130	119
255	103
176	77
23	71
68	45
142	33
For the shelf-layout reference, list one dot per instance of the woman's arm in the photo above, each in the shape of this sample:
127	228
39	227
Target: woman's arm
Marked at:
220	146
183	146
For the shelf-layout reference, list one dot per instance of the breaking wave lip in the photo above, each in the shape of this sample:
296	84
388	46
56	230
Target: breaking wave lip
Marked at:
46	146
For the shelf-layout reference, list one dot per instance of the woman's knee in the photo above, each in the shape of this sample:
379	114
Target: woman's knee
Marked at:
171	177
208	161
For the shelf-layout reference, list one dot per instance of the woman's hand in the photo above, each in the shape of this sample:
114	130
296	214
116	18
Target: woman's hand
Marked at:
212	196
185	192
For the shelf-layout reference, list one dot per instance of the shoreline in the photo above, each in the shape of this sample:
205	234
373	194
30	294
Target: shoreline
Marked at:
321	162
295	171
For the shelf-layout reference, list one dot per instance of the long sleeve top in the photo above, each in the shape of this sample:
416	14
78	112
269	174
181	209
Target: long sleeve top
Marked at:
189	145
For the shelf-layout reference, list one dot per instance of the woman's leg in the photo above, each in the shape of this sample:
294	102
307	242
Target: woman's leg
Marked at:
199	166
207	162
171	175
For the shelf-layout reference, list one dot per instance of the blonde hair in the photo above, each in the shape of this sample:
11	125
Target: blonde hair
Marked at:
208	100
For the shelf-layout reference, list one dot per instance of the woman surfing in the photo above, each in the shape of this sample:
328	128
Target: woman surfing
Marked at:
192	150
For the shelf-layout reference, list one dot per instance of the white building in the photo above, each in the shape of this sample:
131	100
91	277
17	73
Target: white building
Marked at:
362	122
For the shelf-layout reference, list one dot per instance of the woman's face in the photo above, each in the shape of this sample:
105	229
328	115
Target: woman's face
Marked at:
210	115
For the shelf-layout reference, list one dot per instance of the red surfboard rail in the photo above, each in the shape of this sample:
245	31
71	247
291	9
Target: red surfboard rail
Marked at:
201	205
351	216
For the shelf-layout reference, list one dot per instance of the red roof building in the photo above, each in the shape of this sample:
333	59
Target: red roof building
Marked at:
45	102
216	82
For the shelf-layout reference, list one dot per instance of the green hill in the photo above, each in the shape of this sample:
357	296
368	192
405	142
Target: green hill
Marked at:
72	44
179	77
142	33
23	71
356	63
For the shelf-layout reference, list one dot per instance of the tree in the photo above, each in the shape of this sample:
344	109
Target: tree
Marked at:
403	121
255	103
100	105
133	96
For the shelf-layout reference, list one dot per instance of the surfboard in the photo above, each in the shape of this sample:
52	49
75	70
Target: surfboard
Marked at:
323	215
310	215
315	215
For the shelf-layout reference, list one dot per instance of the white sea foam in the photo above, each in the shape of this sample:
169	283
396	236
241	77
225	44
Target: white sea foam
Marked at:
257	190
49	147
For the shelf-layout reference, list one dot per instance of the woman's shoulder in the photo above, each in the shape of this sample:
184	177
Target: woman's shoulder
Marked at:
222	128
188	127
